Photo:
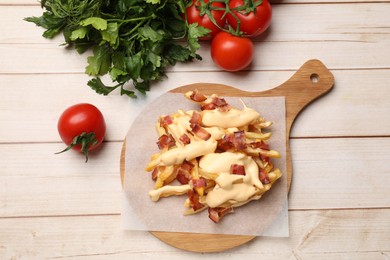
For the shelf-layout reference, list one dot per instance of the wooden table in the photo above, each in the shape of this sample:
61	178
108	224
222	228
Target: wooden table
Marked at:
57	206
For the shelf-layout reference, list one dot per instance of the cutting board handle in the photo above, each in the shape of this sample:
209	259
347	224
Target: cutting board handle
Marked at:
309	82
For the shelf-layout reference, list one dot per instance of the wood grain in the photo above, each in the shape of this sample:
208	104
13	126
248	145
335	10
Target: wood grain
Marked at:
310	82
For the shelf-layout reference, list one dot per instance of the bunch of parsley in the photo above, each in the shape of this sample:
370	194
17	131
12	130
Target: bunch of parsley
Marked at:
132	40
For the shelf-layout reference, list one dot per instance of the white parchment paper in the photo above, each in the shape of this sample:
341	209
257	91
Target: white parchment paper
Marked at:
265	217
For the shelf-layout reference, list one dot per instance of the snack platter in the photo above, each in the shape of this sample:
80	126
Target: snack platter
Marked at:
311	81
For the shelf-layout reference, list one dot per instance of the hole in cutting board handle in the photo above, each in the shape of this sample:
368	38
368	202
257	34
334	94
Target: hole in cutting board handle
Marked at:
314	78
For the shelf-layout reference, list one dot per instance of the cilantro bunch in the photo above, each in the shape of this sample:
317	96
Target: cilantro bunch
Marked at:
132	40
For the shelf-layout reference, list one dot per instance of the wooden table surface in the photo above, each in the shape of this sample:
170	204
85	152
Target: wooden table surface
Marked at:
57	206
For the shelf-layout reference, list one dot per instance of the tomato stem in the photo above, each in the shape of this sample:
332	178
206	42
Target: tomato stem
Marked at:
247	7
86	140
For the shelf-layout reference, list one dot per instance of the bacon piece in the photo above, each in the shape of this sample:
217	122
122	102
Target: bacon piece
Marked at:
201	132
208	106
184	172
199	183
194	200
263	176
197	96
185	139
237	169
216	103
165	141
196	119
238	140
219	102
216	214
262	145
225	143
165	120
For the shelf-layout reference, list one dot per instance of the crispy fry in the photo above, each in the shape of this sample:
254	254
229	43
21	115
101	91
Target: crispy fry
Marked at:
168	190
166	176
258	136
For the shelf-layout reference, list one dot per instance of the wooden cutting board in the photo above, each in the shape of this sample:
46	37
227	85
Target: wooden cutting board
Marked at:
310	82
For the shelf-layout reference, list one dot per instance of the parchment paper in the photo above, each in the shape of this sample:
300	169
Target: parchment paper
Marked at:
265	217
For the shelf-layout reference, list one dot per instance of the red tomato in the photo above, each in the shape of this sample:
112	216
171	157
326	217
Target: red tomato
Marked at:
82	128
231	53
253	23
193	16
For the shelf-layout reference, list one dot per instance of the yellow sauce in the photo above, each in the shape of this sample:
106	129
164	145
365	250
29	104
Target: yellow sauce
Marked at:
230	187
188	152
232	118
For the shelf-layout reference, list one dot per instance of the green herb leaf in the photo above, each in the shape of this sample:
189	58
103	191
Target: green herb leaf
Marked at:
79	33
195	32
96	22
99	87
148	33
111	34
100	62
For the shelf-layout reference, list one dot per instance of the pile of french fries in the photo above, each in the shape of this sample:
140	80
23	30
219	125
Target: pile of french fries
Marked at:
184	140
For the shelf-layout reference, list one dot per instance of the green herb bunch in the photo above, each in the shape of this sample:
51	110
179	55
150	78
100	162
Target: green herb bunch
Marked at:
132	40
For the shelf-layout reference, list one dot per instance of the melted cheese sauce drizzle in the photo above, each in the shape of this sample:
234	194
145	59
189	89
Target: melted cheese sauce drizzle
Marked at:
231	187
232	118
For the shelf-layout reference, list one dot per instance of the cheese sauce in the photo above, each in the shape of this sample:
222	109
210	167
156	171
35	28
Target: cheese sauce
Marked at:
188	152
232	118
238	188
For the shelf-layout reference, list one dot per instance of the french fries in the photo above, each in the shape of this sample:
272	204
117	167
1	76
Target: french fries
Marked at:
219	165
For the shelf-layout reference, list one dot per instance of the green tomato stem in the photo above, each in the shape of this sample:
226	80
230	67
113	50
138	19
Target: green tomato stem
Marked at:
86	140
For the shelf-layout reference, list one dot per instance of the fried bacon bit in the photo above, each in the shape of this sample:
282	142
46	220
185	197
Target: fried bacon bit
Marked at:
185	139
184	172
219	102
216	214
194	200
201	132
166	141
208	106
263	176
199	183
196	119
262	145
236	140
225	144
165	120
239	140
197	96
216	102
237	169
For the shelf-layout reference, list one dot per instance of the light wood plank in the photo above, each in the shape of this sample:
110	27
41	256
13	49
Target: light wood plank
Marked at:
338	173
355	37
325	234
327	173
352	108
35	181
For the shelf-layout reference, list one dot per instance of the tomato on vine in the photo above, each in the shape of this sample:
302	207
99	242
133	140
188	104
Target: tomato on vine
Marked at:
209	15
82	128
230	52
253	17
